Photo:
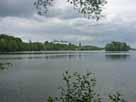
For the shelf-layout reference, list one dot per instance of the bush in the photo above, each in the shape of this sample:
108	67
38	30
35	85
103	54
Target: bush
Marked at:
4	65
81	88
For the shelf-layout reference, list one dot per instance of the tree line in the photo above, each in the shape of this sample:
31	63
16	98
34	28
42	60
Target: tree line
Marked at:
12	44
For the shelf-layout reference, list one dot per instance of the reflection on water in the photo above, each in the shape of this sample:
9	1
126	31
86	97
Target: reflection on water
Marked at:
117	57
49	56
43	52
64	55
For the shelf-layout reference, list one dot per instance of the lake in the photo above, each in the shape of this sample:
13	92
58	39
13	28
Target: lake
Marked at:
33	76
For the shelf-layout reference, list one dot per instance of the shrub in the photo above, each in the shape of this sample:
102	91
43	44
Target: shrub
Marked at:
81	88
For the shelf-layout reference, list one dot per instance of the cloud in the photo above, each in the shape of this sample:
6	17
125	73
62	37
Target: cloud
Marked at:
16	8
19	18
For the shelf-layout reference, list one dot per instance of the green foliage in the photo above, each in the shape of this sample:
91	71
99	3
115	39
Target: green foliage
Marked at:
4	65
117	97
81	88
50	99
11	44
90	48
89	8
58	46
117	46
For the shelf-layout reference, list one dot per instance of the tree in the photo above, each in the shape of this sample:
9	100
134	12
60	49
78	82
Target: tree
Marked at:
89	8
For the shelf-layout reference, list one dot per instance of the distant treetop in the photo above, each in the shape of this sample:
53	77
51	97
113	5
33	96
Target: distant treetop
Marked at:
117	46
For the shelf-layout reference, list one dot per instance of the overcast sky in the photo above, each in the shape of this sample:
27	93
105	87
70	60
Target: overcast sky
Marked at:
19	18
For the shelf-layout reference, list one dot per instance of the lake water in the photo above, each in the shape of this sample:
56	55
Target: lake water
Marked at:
35	76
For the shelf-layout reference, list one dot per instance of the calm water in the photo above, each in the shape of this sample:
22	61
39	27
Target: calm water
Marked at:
33	77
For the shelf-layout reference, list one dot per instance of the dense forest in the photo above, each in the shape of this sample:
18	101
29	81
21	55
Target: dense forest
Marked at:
11	44
117	46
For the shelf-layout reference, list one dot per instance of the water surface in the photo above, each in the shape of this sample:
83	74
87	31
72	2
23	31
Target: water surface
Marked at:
34	76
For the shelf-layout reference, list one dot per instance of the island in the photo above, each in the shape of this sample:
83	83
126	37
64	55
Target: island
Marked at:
117	46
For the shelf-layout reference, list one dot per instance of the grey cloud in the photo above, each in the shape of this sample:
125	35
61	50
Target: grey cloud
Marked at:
20	8
72	30
64	24
68	13
25	8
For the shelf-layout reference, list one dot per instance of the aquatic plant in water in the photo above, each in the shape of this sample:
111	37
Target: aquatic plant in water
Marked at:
82	88
4	65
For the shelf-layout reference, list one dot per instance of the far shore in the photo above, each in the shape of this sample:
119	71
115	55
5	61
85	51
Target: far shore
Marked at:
66	51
